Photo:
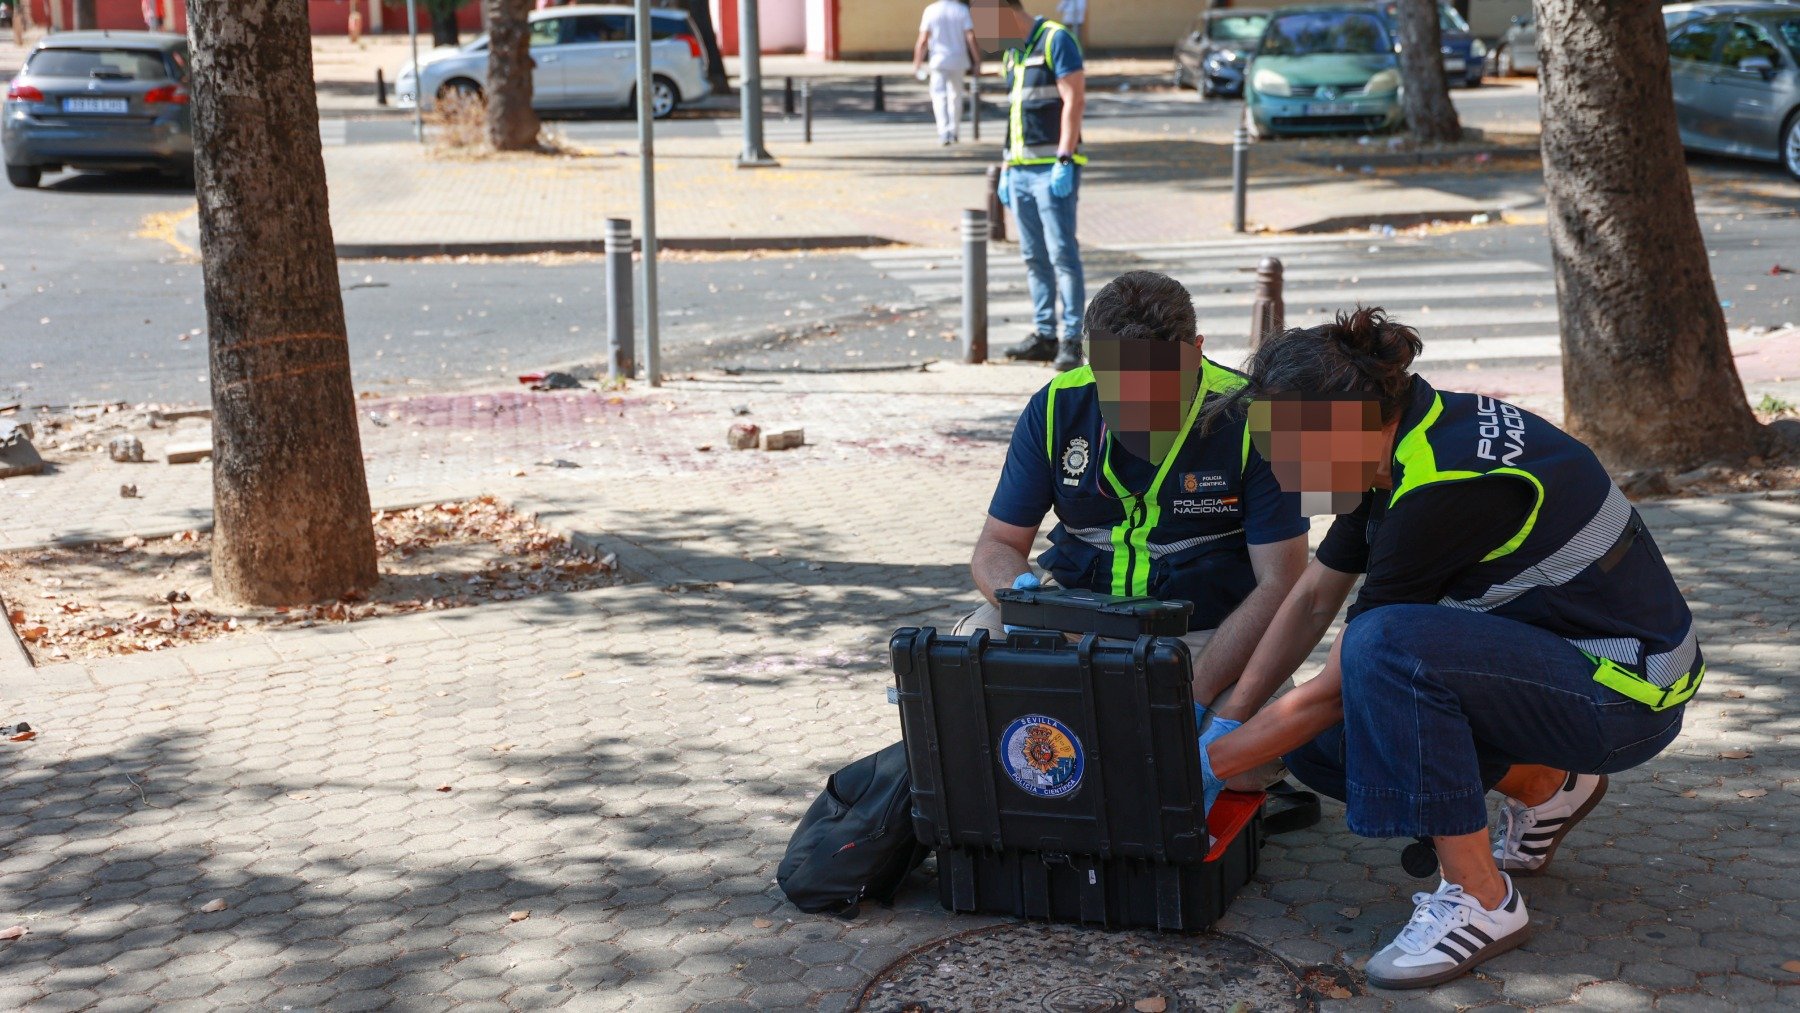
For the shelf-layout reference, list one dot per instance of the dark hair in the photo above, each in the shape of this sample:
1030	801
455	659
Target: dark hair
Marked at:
1142	305
1362	352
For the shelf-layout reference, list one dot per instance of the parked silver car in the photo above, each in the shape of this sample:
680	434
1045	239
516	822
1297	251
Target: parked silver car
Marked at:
1737	84
99	100
1516	52
586	57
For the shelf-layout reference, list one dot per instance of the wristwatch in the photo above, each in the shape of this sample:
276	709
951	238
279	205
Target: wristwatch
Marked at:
1065	160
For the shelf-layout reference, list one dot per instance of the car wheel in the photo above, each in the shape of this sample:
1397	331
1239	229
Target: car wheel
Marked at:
1790	145
1503	64
25	177
461	88
664	98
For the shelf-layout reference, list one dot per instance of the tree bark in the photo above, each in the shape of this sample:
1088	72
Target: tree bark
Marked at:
85	18
1430	116
1648	379
290	502
701	11
512	124
443	21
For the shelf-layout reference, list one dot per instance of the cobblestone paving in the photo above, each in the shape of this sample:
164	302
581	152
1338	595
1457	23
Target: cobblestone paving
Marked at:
626	764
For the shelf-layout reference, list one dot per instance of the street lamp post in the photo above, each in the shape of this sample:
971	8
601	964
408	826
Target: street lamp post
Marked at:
412	29
646	112
750	87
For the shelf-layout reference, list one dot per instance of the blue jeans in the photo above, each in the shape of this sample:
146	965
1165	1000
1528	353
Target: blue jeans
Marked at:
1052	254
1439	702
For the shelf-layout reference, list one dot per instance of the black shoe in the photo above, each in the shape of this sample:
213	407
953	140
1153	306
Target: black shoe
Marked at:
1036	348
1068	356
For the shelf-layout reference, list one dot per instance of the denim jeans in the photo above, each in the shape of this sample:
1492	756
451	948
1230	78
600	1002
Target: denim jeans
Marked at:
1439	702
1047	241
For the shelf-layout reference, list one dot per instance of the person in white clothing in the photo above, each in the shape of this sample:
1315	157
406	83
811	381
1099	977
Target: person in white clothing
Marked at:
1073	15
947	38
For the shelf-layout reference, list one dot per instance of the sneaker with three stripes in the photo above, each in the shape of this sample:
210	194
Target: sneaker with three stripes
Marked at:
1529	835
1450	932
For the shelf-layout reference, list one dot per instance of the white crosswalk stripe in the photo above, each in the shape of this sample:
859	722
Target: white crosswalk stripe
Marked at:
1466	309
333	133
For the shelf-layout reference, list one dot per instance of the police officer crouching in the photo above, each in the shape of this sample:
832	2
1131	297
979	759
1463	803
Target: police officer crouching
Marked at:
1146	504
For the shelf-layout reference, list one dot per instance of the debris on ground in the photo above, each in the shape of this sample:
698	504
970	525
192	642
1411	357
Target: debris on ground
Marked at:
188	453
551	381
743	435
152	594
21	732
787	439
125	449
17	455
128	490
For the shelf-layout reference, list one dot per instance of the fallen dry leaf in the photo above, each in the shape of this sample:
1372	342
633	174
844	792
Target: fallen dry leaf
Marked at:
518	916
1338	992
1350	912
299	796
1753	793
518	780
762	923
214	906
443	787
32	634
15	932
1734	694
1734	754
575	674
24	736
1154	1004
1690	793
1791	965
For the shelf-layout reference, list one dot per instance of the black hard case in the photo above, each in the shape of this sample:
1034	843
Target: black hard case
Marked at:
1128	847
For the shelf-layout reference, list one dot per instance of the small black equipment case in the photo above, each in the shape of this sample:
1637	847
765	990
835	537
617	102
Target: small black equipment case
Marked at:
1059	779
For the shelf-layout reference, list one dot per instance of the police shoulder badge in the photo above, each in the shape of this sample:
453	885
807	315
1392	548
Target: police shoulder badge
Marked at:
1042	756
1075	457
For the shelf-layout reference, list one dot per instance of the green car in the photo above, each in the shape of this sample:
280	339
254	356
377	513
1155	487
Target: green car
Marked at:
1325	69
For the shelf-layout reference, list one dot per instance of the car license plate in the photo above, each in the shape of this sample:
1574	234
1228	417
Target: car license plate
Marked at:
1330	108
94	105
1454	66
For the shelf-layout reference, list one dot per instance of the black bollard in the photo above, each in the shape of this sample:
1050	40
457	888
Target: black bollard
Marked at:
787	96
380	88
1268	313
880	96
806	111
1240	171
996	210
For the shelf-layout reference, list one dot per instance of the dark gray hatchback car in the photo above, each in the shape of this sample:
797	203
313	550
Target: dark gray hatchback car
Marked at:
99	100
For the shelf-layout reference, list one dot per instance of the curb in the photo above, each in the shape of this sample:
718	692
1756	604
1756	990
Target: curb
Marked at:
1393	159
1400	220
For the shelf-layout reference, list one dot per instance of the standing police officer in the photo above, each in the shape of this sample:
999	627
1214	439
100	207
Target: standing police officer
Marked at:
1041	180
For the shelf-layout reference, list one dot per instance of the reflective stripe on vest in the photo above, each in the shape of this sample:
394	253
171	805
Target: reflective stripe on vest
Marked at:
1034	128
1667	678
1129	540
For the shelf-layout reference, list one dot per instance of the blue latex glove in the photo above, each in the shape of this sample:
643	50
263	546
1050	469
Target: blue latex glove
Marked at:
1062	179
1005	190
1023	580
1217	729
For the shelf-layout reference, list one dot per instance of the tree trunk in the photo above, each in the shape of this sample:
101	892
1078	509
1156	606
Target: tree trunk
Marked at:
85	19
512	124
701	11
1648	379
1430	116
290	502
443	22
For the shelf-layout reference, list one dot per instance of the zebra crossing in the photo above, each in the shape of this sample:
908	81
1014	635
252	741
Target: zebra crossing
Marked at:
1467	310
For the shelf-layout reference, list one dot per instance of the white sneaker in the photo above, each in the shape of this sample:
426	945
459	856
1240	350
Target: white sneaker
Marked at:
1450	933
1528	836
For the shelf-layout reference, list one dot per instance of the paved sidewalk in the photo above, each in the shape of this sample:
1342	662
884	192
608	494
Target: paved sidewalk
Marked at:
626	764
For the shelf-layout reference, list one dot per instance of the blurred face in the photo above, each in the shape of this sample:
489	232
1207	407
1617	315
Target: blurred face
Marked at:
1146	389
1328	448
998	26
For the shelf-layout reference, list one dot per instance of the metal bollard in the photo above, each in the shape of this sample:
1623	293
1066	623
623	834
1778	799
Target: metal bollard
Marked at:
880	96
1267	313
996	210
787	96
620	342
1240	168
975	108
806	111
975	286
380	88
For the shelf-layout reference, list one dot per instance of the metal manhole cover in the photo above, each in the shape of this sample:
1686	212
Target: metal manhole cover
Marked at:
1068	969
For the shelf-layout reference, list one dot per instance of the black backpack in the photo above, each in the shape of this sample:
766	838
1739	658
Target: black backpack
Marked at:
856	841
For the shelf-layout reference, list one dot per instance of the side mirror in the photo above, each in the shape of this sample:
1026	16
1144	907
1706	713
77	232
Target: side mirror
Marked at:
1759	65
